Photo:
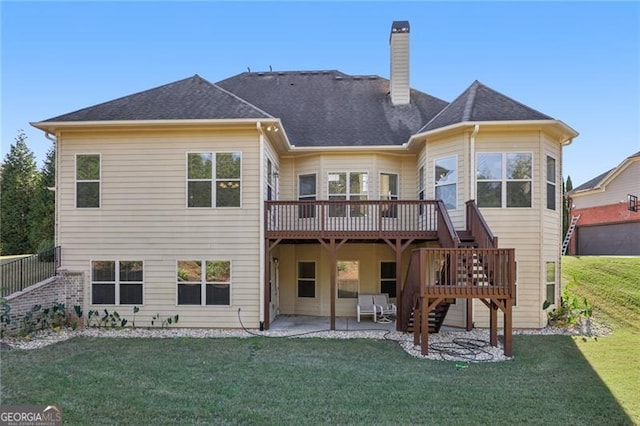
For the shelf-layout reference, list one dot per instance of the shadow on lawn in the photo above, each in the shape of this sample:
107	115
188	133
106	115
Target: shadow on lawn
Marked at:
578	387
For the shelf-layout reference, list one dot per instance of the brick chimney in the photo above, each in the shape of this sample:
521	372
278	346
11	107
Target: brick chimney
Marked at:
399	41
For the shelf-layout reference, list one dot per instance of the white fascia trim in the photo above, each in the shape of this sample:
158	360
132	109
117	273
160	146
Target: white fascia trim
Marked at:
570	133
47	125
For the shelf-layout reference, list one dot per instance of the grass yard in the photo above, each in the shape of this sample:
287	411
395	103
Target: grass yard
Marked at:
612	285
260	380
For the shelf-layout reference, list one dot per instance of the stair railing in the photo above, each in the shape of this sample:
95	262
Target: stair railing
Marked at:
478	227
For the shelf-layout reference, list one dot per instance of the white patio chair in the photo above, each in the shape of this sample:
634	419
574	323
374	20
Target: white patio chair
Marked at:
383	306
367	307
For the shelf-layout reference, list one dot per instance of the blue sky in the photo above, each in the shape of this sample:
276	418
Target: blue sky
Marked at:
575	61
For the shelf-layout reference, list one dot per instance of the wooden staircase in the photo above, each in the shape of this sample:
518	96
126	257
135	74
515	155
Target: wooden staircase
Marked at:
436	317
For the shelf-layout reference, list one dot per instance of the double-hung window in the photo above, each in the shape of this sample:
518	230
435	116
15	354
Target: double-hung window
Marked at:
116	282
307	192
88	176
213	179
421	187
307	279
504	179
446	181
389	191
210	285
345	186
551	183
550	273
388	278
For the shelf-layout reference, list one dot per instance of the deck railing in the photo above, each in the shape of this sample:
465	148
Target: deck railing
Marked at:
365	218
478	227
16	275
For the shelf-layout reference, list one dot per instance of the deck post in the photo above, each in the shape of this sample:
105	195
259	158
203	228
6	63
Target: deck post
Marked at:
416	326
332	275
267	284
398	249
469	314
493	323
508	330
424	326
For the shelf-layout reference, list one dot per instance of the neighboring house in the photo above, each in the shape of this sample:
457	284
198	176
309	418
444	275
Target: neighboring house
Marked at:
606	226
292	192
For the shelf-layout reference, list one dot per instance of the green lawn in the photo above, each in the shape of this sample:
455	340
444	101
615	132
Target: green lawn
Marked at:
612	285
304	381
552	379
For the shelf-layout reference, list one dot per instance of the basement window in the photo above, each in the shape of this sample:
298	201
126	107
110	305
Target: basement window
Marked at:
551	282
117	282
210	285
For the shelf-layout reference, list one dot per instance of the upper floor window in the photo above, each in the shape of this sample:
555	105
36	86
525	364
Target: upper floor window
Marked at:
421	187
446	181
88	176
345	186
213	179
504	179
551	183
307	192
388	191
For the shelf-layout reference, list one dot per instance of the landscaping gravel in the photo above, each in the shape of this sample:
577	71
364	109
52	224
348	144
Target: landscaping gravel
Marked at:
459	346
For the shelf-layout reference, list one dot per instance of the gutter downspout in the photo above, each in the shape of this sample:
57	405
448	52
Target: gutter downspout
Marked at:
56	235
472	162
261	262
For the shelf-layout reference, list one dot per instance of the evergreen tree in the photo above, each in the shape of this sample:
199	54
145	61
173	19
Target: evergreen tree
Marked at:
42	218
566	206
17	185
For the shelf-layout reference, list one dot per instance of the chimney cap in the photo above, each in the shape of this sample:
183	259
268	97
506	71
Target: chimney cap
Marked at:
400	27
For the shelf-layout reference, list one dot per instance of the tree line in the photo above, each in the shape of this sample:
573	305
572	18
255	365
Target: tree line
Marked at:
27	205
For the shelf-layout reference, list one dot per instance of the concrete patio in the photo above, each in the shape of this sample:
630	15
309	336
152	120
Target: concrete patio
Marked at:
307	323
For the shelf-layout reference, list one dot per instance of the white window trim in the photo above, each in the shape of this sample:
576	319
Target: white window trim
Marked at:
298	184
555	280
555	184
504	180
213	180
116	283
337	287
75	181
315	279
435	182
421	182
383	172
348	193
203	283
380	279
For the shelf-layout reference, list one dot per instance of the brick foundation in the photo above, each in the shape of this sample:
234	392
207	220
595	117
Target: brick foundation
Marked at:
66	287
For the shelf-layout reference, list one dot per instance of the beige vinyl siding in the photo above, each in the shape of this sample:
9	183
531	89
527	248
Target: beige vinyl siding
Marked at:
369	257
143	216
519	228
625	182
324	163
452	146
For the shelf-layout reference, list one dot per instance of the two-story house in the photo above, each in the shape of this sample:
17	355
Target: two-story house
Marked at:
292	192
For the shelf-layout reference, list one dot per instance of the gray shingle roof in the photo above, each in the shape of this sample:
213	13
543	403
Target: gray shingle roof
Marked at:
191	98
596	181
481	103
329	108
